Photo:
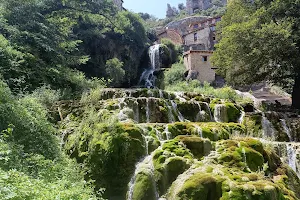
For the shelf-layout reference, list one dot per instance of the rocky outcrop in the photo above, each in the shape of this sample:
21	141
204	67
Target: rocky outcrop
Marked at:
144	144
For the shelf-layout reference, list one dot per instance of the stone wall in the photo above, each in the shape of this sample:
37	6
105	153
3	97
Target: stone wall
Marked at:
204	37
173	36
199	61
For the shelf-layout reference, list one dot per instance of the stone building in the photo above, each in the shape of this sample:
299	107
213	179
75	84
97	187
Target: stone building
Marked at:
198	66
197	35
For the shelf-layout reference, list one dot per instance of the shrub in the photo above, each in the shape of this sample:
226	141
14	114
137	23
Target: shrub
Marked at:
115	71
175	74
175	50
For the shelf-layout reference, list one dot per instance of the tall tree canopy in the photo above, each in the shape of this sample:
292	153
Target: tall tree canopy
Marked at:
259	40
53	41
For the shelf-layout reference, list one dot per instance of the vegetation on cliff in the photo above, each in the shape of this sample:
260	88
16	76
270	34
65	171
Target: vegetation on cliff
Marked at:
259	40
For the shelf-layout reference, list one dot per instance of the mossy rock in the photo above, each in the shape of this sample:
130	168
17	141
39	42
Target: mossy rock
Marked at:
201	186
103	149
241	154
198	146
169	162
144	187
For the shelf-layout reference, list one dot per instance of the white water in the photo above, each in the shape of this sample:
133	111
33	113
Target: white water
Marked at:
199	130
168	133
241	119
220	114
148	76
208	110
161	94
199	114
174	106
147	111
136	111
292	157
268	129
286	129
145	165
154	56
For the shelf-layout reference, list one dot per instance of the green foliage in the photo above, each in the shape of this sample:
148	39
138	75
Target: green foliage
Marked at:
175	50
206	89
175	74
31	128
259	42
53	42
31	164
115	71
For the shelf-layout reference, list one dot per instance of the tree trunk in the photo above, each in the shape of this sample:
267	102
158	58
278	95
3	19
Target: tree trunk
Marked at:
296	93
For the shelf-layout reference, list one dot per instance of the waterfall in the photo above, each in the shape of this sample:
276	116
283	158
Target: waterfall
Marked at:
136	111
147	111
199	115
199	130
174	106
148	74
146	165
161	94
291	155
220	113
168	133
241	119
268	129
286	129
208	110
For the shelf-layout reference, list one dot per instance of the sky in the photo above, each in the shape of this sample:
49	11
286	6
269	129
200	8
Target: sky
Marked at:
157	8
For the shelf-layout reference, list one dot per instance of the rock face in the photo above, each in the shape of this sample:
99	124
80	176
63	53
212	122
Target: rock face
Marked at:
144	144
192	6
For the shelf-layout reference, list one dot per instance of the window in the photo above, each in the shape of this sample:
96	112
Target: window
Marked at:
214	38
195	37
204	58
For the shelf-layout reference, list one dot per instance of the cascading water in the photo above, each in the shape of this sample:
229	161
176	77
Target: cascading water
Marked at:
241	119
174	106
268	129
146	165
220	113
148	75
199	130
292	157
147	111
286	129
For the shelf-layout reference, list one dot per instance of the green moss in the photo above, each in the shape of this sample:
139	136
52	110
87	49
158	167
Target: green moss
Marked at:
201	186
144	189
198	146
241	154
233	112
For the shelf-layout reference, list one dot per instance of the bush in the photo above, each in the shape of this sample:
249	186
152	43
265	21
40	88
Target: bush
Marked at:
115	71
175	50
205	89
29	118
175	74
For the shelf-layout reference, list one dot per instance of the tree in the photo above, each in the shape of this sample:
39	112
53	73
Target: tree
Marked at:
260	41
115	71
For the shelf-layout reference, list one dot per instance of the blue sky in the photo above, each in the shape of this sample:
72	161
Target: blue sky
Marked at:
154	7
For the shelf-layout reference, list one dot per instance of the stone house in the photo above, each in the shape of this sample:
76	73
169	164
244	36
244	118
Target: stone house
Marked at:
197	63
198	36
